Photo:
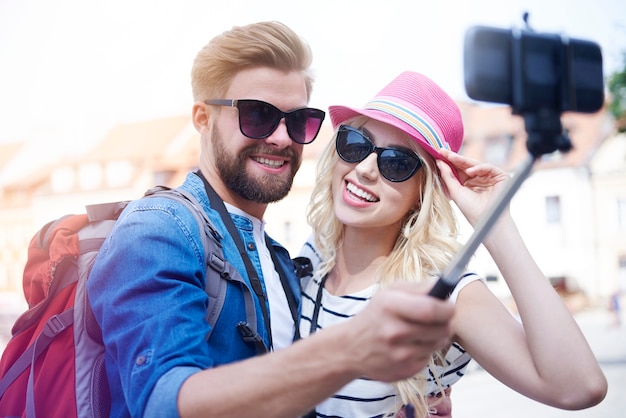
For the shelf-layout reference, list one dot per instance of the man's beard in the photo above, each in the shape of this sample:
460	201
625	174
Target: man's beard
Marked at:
232	170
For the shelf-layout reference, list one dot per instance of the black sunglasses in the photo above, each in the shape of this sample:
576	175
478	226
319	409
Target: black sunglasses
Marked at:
259	119
395	164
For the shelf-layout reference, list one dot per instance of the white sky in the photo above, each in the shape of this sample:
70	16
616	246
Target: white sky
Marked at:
71	69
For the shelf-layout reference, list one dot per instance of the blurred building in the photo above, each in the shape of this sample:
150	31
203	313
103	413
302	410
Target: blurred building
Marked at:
571	210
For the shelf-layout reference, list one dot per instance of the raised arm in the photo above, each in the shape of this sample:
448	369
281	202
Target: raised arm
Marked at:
545	356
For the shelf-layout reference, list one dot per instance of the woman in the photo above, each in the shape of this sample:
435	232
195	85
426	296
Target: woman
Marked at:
381	212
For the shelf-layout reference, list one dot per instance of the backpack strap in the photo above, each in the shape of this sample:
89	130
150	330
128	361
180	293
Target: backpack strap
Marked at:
54	325
218	204
105	211
216	289
303	266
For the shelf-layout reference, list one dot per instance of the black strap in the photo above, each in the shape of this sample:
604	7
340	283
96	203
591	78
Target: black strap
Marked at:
303	267
318	306
218	204
314	320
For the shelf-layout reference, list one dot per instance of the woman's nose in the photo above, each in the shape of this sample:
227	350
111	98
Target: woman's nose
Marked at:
368	168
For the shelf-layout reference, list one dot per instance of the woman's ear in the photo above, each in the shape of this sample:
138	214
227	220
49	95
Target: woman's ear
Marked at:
422	179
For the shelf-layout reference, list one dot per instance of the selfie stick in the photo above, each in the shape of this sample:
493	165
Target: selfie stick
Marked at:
544	136
570	72
452	274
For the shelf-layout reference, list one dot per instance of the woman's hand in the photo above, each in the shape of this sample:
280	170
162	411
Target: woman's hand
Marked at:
479	186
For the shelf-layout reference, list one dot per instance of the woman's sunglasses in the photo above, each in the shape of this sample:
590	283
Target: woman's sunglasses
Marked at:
259	119
395	164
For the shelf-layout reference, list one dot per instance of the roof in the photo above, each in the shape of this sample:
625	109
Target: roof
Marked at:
148	139
8	152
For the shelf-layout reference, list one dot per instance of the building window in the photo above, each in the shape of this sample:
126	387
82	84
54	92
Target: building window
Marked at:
90	176
621	213
63	179
498	148
553	209
119	173
559	283
163	176
622	273
288	231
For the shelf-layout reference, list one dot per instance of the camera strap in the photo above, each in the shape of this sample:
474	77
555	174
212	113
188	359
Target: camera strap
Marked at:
218	204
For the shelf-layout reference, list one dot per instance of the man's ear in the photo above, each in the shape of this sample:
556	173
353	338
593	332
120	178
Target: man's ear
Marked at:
200	117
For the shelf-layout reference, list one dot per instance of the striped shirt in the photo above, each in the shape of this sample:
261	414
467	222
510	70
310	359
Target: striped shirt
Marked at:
364	397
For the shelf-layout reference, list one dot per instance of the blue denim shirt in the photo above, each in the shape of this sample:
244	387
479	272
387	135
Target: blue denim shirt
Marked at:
147	294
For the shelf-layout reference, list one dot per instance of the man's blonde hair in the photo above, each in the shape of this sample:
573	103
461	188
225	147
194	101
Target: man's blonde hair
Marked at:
263	44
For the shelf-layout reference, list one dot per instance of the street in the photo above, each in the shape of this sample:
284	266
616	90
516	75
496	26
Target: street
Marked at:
478	395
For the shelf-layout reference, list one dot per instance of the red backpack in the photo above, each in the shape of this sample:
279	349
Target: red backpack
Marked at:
53	365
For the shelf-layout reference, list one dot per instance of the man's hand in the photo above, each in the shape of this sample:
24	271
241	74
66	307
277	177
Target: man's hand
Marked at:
395	336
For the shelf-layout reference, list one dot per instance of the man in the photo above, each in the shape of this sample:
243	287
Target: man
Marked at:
251	86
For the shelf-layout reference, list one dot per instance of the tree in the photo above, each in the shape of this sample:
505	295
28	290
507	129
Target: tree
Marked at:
616	85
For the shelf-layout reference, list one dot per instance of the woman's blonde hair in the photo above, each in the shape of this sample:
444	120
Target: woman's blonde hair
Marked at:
424	246
262	44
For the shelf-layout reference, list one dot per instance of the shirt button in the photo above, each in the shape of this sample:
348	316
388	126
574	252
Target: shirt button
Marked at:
251	246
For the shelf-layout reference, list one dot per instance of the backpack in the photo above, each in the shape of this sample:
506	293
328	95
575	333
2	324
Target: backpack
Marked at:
59	324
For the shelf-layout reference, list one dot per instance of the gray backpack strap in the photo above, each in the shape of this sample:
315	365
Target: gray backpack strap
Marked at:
216	289
105	211
213	255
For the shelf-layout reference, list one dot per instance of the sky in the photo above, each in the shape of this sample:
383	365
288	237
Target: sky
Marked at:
72	69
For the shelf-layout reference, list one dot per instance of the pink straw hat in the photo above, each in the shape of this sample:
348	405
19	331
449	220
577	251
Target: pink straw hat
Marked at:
417	106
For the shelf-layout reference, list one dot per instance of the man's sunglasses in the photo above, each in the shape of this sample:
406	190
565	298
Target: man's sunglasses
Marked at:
395	164
258	119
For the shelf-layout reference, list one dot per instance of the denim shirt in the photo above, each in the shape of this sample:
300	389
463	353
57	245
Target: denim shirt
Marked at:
147	294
